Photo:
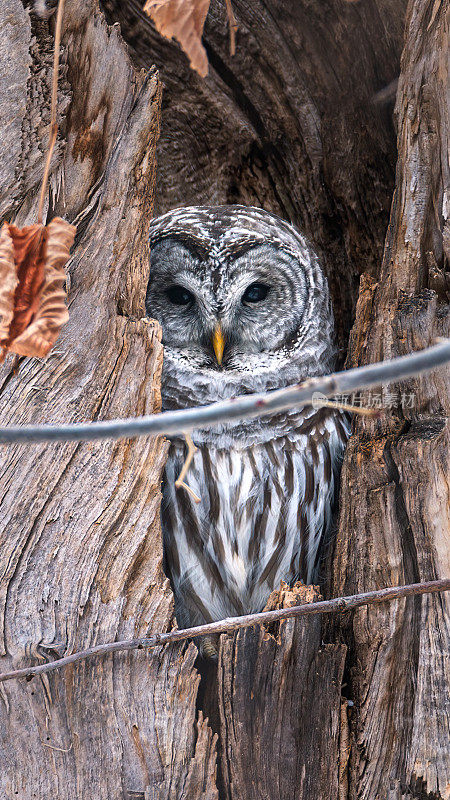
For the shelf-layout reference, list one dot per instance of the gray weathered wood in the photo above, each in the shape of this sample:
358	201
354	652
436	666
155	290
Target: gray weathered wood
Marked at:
294	122
296	126
274	688
80	556
395	523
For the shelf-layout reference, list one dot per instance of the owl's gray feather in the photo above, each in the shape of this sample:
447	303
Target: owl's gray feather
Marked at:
267	486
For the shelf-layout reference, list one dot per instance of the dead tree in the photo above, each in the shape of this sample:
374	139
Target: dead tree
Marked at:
300	121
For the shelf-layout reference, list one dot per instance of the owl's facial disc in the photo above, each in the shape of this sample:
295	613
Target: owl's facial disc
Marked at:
218	314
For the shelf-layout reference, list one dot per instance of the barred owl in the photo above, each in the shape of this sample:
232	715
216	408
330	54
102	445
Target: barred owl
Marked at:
244	307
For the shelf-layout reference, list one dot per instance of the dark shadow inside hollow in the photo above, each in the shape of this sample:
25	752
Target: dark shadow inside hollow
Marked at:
207	692
208	705
299	122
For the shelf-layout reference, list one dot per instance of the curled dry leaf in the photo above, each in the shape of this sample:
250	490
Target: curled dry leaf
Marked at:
8	281
32	295
183	20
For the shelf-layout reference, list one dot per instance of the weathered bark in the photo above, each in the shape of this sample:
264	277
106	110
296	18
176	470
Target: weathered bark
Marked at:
293	123
395	504
273	688
81	552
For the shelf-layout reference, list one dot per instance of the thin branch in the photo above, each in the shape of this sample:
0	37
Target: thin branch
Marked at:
179	483
59	749
233	27
362	410
230	624
244	407
53	120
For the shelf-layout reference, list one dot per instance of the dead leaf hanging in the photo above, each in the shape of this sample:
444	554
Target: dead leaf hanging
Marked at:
183	20
8	281
32	295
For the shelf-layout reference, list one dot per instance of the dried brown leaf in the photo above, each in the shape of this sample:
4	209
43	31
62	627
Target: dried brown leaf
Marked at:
27	244
39	299
233	27
8	281
184	21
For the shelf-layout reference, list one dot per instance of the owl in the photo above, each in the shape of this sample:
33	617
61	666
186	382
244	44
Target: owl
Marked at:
244	307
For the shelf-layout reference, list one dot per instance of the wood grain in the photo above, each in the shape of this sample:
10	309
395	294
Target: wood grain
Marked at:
274	685
80	556
295	122
395	521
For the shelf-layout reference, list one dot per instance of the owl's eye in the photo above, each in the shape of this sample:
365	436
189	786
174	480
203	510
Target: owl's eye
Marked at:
179	296
255	293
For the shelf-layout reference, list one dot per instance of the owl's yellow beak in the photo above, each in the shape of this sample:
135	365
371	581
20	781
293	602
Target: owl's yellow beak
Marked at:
218	342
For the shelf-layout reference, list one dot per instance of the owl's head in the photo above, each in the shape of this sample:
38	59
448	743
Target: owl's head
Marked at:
241	298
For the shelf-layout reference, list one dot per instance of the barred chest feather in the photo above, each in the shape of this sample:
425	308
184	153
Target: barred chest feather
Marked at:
264	511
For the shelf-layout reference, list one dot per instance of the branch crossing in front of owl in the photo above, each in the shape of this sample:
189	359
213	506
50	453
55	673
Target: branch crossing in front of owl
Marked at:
244	307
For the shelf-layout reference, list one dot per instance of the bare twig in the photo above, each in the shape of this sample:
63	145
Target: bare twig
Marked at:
53	120
179	483
233	27
59	749
244	407
230	624
364	412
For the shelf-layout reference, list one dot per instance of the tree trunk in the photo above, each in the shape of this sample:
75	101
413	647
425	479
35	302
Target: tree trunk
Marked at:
81	547
395	503
300	122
